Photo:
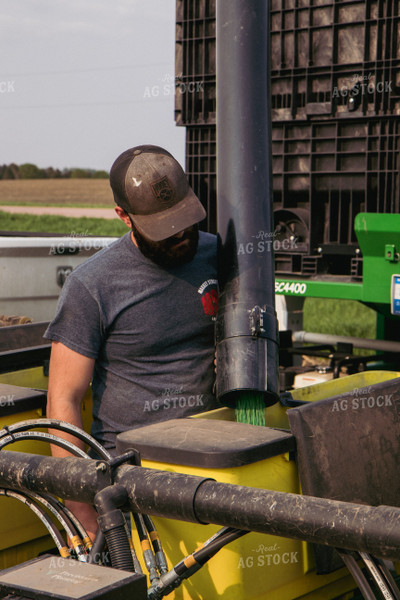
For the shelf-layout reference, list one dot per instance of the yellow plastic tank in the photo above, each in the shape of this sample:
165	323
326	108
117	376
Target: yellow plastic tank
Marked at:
257	566
276	415
22	533
23	397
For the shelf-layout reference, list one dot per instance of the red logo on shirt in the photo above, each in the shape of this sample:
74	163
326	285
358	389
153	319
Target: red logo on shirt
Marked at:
209	296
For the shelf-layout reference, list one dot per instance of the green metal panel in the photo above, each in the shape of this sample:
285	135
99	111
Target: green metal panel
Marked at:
323	287
379	238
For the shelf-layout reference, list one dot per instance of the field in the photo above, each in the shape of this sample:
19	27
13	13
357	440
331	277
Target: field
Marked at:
65	225
56	192
323	316
340	317
81	193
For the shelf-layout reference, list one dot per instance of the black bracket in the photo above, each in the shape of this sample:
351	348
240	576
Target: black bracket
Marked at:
106	469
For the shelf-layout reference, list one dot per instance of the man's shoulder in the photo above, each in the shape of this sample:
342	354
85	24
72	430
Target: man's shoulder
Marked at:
207	239
211	237
206	255
104	258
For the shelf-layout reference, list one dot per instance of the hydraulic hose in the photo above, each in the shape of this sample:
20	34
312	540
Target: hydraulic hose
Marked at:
148	556
144	523
66	523
159	554
80	530
96	552
42	436
358	576
210	548
193	563
389	577
377	576
39	512
59	425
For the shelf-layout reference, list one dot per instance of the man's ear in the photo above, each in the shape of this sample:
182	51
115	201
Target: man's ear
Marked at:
123	216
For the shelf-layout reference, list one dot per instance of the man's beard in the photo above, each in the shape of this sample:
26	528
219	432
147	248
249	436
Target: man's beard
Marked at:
169	253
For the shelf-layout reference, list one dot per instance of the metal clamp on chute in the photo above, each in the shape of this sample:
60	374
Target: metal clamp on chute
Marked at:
247	342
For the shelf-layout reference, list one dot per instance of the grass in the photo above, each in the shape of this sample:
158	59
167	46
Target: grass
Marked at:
56	192
339	317
62	225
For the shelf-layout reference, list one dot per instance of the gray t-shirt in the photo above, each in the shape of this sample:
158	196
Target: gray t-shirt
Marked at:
150	330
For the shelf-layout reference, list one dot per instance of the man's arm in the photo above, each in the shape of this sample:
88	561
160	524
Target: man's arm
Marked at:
69	379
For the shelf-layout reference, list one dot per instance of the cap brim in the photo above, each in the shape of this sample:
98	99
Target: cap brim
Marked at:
166	223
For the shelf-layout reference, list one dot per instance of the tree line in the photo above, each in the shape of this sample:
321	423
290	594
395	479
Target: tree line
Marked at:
31	171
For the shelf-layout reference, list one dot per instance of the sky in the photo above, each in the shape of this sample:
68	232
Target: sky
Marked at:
83	80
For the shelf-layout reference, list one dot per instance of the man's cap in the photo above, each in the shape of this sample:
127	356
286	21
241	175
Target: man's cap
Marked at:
151	186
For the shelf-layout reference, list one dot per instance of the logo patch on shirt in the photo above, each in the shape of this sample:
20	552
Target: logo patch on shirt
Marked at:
163	190
209	296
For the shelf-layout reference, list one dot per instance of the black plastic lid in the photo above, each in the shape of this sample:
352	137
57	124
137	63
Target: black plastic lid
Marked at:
206	442
15	399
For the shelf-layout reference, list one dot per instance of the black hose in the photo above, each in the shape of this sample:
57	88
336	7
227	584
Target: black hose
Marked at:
41	436
389	577
97	552
51	528
140	528
209	549
57	509
119	548
112	523
147	551
357	575
79	529
192	563
63	520
155	540
145	527
378	577
61	426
